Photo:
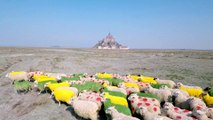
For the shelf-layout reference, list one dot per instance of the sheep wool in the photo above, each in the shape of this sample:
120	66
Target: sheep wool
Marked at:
116	99
53	86
20	75
147	79
42	78
79	108
104	75
208	99
128	84
192	91
63	95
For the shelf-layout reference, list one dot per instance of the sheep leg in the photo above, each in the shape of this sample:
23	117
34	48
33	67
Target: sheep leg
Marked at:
51	95
59	103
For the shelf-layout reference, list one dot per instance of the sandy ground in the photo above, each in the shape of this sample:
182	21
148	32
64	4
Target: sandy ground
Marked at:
190	67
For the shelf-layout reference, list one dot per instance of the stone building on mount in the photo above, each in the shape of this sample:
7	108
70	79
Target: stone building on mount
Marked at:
109	43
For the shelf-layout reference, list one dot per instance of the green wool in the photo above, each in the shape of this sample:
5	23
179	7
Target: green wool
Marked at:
22	85
115	93
114	81
122	109
41	85
150	95
211	92
157	86
89	86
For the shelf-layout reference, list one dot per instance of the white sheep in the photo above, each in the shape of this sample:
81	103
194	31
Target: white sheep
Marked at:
85	109
176	116
18	76
163	94
173	91
147	115
171	83
118	116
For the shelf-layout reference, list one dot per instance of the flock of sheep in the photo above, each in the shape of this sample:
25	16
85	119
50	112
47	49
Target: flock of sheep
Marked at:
131	97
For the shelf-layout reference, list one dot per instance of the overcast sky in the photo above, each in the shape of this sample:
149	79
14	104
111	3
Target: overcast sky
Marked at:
157	24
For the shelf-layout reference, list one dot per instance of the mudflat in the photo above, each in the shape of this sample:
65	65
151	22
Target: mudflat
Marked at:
191	67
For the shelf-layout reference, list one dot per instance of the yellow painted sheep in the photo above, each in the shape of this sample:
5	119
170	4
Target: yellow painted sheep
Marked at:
42	78
192	91
53	86
116	99
147	79
63	95
128	84
207	98
17	72
104	75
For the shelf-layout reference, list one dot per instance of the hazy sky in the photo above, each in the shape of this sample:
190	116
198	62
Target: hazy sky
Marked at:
170	24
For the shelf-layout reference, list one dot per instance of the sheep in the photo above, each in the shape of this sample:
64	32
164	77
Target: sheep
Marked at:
42	78
53	86
147	115
180	100
179	84
104	75
113	88
118	116
129	89
75	90
192	90
209	112
176	109
115	99
56	75
200	115
196	104
147	79
207	98
85	109
142	85
152	104
173	91
171	83
91	96
63	95
18	76
177	116
144	99
162	94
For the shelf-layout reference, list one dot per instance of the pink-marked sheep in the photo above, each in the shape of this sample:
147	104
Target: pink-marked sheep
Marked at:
129	90
147	115
163	94
173	91
196	104
142	85
85	109
92	96
118	116
181	101
150	103
177	116
200	115
177	109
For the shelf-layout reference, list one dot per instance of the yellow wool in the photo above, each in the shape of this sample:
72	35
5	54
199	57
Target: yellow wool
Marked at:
134	77
116	99
16	72
147	79
53	86
128	84
192	91
104	75
42	78
208	99
63	95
